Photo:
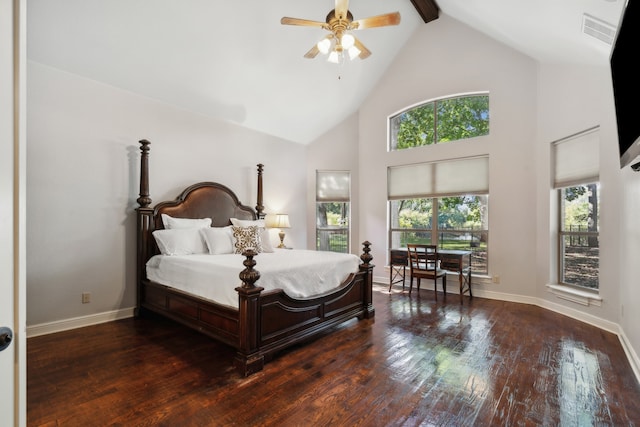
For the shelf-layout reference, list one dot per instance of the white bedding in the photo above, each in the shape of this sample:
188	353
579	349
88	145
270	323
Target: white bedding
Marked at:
299	273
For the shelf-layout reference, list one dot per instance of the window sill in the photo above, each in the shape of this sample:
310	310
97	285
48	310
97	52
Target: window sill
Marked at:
575	295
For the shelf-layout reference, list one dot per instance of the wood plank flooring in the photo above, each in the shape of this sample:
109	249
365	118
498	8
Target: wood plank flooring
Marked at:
419	362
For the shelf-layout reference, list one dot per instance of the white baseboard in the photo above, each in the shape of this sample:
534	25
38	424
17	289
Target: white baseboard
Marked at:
78	322
632	356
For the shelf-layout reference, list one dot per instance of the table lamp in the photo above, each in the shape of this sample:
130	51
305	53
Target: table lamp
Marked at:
280	221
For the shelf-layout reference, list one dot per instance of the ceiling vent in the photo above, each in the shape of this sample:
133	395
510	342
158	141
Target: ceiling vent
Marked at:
599	29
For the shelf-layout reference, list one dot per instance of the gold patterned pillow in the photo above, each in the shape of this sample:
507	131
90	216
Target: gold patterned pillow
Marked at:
246	238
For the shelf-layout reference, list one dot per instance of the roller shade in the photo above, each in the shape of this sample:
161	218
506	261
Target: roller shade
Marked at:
437	179
333	186
576	159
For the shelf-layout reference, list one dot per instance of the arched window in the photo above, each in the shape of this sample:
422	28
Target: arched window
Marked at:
440	121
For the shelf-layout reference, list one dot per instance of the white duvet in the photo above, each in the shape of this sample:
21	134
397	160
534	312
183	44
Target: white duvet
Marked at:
299	273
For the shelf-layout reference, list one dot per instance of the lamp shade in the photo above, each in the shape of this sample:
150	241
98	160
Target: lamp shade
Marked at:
279	221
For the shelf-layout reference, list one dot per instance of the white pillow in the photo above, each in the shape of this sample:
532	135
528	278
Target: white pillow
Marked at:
181	241
219	240
246	238
247	222
170	222
265	240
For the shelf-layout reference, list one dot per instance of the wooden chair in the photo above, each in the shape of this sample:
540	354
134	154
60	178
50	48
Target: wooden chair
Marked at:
424	264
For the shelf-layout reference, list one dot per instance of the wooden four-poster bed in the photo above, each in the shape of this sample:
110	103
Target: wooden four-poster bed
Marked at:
264	321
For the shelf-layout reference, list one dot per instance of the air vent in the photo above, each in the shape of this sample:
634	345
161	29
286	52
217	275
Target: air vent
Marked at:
599	29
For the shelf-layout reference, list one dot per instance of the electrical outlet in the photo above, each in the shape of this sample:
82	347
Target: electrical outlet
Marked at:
86	297
496	279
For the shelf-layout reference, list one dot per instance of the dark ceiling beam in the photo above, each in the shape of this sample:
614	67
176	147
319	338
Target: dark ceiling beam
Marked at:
428	9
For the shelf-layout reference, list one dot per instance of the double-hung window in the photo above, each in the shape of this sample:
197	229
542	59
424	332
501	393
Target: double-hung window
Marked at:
575	179
333	200
443	203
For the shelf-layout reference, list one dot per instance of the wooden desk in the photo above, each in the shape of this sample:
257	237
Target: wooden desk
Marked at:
455	261
398	262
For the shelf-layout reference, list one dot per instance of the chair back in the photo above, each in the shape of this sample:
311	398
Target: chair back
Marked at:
423	258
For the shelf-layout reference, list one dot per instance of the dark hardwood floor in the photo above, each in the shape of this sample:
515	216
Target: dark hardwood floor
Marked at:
419	362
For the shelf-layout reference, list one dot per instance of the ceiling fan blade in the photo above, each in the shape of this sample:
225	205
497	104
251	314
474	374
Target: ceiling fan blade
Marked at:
342	8
303	22
377	21
312	52
364	52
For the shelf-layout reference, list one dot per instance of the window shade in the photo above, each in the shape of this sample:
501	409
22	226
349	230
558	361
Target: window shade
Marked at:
576	159
333	186
437	179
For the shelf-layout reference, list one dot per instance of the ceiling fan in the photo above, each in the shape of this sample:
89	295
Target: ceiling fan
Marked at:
339	23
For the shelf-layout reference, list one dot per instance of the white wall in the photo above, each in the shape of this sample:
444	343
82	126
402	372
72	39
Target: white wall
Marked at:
629	281
83	180
572	99
442	59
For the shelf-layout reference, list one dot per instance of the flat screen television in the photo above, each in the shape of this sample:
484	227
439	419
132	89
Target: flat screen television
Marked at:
626	83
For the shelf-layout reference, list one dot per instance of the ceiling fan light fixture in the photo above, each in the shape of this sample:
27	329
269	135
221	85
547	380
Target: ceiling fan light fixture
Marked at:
324	45
335	57
347	41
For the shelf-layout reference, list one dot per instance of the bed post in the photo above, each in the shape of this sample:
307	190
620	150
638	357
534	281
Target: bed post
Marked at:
248	358
367	267
145	214
259	206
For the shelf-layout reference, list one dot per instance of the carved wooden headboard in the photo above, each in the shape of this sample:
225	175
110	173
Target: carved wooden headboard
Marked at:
201	200
205	200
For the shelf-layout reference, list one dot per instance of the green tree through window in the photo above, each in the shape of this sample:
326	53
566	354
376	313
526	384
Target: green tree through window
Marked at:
333	197
440	121
462	223
579	236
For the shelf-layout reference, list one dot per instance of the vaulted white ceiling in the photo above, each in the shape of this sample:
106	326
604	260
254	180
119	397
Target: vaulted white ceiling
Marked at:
233	60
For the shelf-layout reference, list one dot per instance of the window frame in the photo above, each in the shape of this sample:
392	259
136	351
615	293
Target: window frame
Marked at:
435	139
575	161
333	192
563	234
434	232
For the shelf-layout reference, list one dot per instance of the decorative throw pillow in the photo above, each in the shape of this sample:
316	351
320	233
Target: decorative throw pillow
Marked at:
170	222
246	238
219	240
265	235
184	241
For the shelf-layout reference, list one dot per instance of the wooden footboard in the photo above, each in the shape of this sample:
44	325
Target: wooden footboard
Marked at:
272	321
